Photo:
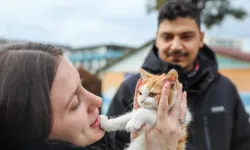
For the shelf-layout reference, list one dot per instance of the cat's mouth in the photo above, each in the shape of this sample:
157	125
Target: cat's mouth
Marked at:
148	105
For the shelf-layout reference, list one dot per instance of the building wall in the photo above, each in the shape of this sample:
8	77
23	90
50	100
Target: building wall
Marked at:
229	63
112	80
132	63
110	83
113	76
240	77
228	42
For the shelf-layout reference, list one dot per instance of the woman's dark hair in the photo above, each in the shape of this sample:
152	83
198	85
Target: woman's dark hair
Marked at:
174	9
26	75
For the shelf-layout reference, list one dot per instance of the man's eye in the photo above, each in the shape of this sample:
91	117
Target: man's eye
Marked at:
152	94
167	38
187	37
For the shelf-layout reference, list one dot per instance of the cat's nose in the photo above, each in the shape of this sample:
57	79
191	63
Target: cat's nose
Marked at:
142	101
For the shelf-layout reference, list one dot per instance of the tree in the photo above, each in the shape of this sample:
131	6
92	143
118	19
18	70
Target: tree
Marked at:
212	11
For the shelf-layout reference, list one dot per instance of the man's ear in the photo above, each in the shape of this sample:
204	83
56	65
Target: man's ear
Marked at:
202	34
156	41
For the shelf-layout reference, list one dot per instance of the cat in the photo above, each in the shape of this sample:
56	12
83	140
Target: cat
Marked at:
148	97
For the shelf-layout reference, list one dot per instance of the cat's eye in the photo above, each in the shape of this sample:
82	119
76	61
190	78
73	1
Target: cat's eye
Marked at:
152	94
139	93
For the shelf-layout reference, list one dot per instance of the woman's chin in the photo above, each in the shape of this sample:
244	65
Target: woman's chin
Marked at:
89	138
97	135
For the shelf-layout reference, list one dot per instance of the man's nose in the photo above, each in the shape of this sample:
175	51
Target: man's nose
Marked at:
176	44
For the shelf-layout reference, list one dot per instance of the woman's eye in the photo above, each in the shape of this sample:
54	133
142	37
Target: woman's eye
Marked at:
77	104
152	94
139	93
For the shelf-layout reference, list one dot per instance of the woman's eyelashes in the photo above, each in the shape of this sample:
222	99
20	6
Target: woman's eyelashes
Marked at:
77	103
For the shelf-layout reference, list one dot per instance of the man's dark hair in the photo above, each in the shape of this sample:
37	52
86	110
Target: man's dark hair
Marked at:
174	9
26	75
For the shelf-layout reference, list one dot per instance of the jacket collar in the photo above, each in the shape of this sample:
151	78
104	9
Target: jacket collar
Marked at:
208	68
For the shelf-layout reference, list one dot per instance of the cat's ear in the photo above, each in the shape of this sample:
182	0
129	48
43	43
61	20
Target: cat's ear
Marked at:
144	74
172	75
164	80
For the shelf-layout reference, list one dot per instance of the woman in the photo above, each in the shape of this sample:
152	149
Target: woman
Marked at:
42	100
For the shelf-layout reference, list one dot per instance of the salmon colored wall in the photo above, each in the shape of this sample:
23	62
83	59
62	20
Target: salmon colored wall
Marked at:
240	77
111	79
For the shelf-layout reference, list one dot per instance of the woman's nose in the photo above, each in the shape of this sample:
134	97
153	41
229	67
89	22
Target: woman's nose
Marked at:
95	102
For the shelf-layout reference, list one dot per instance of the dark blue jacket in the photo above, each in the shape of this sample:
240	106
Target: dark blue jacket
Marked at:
220	121
106	143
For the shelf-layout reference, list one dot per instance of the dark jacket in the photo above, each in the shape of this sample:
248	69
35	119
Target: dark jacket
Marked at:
106	143
220	121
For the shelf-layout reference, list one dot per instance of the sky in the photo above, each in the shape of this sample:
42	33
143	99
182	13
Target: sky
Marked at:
80	23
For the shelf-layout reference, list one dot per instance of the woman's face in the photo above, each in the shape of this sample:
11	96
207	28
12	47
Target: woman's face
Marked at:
74	109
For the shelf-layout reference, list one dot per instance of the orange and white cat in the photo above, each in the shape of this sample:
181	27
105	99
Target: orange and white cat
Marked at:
149	94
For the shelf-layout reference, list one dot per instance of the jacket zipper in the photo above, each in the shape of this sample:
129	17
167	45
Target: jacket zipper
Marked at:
206	132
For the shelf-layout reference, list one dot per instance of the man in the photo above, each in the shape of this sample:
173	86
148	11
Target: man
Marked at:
219	119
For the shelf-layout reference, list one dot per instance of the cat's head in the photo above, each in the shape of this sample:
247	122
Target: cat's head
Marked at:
149	92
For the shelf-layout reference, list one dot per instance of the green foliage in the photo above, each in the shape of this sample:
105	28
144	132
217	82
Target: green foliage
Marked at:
212	11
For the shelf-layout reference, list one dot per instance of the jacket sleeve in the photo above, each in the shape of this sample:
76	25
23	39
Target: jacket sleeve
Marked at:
241	130
120	105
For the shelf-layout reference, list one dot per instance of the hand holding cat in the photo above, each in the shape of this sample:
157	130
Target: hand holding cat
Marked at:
167	130
133	135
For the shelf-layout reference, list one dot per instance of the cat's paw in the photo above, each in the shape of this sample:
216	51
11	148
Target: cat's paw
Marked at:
105	124
133	125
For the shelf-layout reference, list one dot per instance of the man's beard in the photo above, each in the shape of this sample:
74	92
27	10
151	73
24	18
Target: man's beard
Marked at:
177	53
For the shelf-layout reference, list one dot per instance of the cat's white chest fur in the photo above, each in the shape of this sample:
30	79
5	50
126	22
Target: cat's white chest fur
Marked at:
131	122
148	97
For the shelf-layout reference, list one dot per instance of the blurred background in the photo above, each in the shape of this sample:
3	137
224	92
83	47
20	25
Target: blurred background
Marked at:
107	40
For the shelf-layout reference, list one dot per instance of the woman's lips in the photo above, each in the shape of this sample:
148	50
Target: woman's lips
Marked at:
96	123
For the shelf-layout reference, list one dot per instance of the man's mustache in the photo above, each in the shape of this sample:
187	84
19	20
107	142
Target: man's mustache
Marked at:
177	53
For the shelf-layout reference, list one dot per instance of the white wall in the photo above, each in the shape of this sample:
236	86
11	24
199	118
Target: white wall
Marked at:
100	50
246	45
134	62
131	63
237	43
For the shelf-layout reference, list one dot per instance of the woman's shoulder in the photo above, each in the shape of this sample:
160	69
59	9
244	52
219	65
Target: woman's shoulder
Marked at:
106	143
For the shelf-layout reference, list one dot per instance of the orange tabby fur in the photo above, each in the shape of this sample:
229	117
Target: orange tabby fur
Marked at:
154	83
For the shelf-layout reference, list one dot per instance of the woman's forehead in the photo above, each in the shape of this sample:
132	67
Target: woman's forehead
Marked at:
66	79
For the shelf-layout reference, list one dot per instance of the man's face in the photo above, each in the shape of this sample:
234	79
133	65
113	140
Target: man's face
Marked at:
178	41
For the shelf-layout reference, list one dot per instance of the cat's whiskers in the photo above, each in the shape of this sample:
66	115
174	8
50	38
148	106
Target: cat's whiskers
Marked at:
129	105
